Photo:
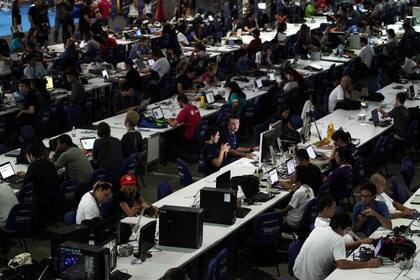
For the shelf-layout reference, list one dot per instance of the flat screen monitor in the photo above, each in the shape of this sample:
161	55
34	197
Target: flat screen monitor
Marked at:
311	152
273	177
75	265
147	238
267	138
87	143
290	164
158	113
223	180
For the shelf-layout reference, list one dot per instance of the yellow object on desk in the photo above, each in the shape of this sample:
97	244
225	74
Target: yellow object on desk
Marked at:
330	131
201	101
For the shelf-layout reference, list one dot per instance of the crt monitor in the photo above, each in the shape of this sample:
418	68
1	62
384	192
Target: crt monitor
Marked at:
267	138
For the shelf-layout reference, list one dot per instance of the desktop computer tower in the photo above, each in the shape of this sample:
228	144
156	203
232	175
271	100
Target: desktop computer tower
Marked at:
181	226
219	205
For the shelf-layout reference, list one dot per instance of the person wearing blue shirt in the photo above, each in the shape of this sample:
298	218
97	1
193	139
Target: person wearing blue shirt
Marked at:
140	50
211	157
369	214
230	136
17	44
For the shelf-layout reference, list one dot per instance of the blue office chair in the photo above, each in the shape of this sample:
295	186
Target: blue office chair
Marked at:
399	193
264	241
129	166
163	189
19	221
412	137
70	217
223	115
407	171
75	116
43	121
217	268
66	196
97	175
3	149
27	133
296	121
376	158
185	178
293	252
324	189
200	131
389	151
26	194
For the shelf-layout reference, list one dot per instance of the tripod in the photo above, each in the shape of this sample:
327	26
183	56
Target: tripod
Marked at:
309	119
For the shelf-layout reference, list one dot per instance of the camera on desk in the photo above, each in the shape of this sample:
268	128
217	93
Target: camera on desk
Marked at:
364	254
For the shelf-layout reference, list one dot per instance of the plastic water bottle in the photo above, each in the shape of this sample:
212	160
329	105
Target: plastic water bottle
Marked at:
73	132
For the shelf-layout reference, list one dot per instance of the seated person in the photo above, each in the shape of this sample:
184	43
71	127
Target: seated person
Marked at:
42	173
325	248
233	26
340	93
400	115
211	158
88	207
126	98
301	196
141	50
250	22
340	177
264	57
182	39
18	42
78	93
369	214
411	66
189	116
129	200
27	115
161	65
35	69
283	115
107	152
255	43
185	83
243	66
395	209
229	136
197	35
366	54
8	200
132	77
73	159
236	98
132	141
303	45
210	76
312	172
391	47
292	80
343	139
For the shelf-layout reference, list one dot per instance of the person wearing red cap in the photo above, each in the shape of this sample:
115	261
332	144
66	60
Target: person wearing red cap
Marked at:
129	200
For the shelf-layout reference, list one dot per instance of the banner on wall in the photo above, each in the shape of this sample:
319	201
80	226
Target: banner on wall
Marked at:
160	16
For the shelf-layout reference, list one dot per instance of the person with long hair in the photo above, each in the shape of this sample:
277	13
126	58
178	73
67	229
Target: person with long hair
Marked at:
236	98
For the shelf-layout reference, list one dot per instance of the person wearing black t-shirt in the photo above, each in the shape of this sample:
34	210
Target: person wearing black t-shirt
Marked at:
85	17
211	158
16	17
129	200
132	140
42	173
132	77
39	20
312	172
27	115
185	82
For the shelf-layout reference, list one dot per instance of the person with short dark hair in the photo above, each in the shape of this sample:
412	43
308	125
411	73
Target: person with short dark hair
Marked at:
18	42
107	152
211	157
255	43
42	173
229	135
27	115
400	115
325	248
182	39
73	159
34	69
161	66
312	172
391	47
369	214
132	141
78	94
189	116
141	50
88	207
185	82
343	139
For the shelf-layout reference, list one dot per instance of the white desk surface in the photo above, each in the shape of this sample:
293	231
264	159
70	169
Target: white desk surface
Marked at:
213	234
187	53
216	49
385	272
391	90
301	63
335	58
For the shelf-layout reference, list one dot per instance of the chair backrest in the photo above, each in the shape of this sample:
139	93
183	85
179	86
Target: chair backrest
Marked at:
66	195
412	133
200	130
75	116
217	268
43	119
26	194
70	217
309	214
293	252
296	121
267	228
324	189
184	173
223	115
358	170
3	149
27	133
129	166
389	147
97	175
163	189
379	149
394	189
407	171
20	218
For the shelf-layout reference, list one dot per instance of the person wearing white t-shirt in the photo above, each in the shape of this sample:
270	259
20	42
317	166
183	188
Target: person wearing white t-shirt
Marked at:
182	39
7	201
89	204
339	93
324	247
161	65
327	207
302	195
366	52
396	209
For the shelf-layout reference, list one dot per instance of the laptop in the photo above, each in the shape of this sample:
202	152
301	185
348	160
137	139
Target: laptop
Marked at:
311	152
157	113
223	180
138	33
87	143
50	83
378	247
8	173
377	122
105	74
271	76
82	44
416	199
18	96
211	101
139	63
290	165
152	29
254	195
259	83
273	178
151	62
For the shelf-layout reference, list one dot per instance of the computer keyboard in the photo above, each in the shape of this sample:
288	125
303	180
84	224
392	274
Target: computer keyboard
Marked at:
241	212
119	275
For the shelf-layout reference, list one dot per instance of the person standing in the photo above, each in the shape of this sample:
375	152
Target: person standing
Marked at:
16	17
39	20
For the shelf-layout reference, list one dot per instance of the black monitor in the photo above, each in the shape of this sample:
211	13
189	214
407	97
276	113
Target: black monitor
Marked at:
107	229
146	240
334	39
223	181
